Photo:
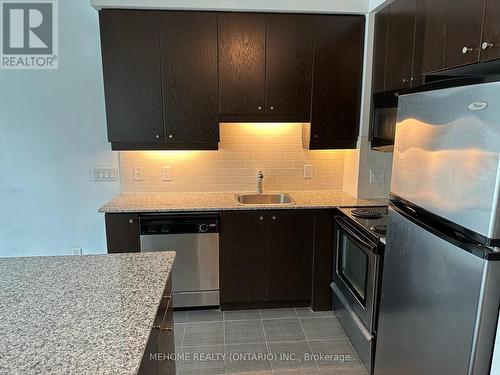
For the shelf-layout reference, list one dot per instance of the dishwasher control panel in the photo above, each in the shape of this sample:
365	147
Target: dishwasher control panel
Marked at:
178	224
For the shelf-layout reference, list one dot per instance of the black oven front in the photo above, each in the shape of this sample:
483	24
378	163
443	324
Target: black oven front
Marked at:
356	270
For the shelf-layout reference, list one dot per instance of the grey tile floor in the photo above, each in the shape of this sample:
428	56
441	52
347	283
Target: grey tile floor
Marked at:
262	342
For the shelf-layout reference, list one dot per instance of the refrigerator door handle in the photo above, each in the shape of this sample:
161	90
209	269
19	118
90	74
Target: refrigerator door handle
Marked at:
366	333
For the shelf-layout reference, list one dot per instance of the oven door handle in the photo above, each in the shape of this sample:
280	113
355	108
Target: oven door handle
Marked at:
366	333
352	235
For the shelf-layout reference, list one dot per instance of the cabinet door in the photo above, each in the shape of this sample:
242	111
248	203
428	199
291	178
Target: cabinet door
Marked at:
290	244
322	260
401	33
435	28
132	81
289	65
243	256
417	74
490	42
122	233
337	72
189	70
242	38
380	50
464	31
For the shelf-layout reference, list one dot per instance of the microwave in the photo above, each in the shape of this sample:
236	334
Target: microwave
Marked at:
383	122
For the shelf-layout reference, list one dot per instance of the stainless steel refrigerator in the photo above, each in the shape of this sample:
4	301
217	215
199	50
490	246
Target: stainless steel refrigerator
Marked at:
440	294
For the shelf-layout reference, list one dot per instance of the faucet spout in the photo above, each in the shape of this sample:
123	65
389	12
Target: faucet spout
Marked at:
260	180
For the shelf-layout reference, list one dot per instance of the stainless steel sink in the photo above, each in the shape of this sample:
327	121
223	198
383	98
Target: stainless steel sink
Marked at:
279	198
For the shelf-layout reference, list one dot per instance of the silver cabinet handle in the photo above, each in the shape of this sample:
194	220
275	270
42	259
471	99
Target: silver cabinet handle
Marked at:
487	45
467	50
170	136
259	107
157	136
271	108
404	80
261	218
131	221
274	217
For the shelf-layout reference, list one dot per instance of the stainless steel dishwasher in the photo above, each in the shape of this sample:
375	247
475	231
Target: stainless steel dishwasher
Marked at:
195	239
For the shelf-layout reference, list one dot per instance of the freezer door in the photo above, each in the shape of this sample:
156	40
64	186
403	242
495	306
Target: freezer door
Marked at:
429	303
446	155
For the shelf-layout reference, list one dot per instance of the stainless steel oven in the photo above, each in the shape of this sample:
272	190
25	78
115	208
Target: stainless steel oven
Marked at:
355	286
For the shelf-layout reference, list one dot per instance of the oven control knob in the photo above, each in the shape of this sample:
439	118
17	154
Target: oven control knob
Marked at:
203	228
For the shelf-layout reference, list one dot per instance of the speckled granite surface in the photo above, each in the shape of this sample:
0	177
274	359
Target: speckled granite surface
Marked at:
166	202
79	314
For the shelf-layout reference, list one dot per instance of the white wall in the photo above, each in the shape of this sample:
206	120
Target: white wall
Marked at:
327	6
52	131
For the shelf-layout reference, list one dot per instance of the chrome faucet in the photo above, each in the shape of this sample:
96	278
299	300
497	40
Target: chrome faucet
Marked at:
260	180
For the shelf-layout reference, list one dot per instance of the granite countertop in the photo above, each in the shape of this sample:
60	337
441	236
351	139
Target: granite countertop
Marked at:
75	315
170	202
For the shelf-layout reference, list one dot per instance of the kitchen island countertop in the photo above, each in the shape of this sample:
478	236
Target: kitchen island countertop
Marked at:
171	202
74	315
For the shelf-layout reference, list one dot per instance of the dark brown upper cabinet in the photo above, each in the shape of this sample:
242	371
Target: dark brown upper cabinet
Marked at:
337	75
188	50
490	41
398	46
160	79
242	63
465	18
289	51
434	35
265	63
400	43
459	33
132	77
380	50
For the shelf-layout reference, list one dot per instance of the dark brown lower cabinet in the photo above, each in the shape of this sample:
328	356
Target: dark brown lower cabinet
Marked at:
290	255
243	256
322	261
158	357
122	233
265	257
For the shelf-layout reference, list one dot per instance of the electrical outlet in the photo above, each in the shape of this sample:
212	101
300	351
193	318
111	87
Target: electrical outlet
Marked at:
77	251
104	174
166	174
137	174
308	172
377	176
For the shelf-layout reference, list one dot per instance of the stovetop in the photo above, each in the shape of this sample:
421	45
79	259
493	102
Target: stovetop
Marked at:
375	222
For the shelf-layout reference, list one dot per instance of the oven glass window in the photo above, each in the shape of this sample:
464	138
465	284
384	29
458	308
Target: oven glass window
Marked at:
353	267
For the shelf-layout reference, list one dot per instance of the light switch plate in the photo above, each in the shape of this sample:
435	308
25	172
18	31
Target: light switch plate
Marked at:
377	176
166	174
137	174
308	172
104	174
